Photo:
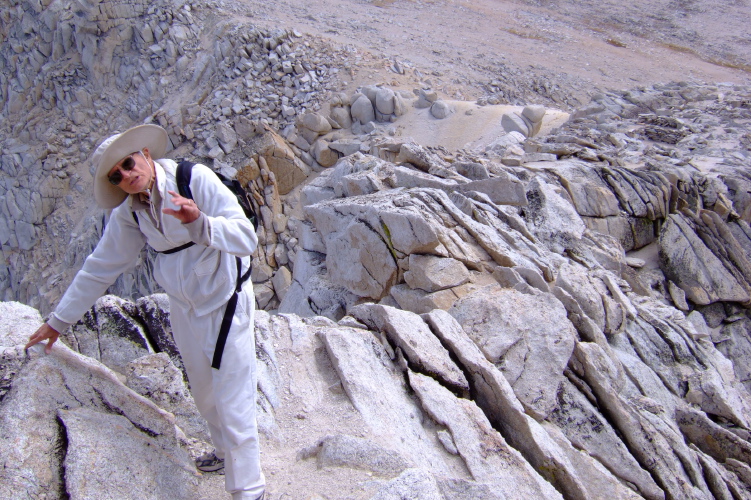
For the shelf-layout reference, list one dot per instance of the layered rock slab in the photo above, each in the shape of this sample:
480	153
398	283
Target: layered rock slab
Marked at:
528	337
98	447
409	333
697	269
36	441
378	391
485	452
549	455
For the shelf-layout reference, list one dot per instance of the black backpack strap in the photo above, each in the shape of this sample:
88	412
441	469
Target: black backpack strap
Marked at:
177	249
182	178
229	313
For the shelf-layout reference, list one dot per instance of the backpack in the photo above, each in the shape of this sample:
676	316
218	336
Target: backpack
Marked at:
184	169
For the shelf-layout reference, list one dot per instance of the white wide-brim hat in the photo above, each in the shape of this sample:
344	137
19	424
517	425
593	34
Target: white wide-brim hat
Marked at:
117	147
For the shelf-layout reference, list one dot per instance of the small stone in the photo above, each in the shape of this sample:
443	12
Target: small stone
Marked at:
324	155
534	113
385	101
440	110
635	263
533	157
317	123
512	122
362	110
678	296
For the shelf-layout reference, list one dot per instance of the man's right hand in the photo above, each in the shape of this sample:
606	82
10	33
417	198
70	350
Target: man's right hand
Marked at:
45	332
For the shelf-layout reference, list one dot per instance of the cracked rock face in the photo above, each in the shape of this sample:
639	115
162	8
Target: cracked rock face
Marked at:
53	419
528	337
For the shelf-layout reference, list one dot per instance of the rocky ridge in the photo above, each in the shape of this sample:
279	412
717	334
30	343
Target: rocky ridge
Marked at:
450	315
561	311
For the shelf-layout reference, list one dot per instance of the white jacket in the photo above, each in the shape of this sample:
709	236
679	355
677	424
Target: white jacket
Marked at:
201	277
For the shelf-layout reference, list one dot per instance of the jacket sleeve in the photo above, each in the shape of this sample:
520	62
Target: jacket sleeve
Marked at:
222	217
115	254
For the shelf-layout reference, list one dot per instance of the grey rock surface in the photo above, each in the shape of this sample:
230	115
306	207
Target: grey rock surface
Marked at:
68	380
349	451
409	333
509	326
483	449
693	266
104	439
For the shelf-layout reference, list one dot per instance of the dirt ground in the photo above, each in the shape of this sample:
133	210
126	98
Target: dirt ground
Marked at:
582	46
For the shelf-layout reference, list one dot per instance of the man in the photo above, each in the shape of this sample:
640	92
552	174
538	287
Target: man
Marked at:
203	244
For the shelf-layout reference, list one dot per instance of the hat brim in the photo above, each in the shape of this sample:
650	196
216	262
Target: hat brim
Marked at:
137	138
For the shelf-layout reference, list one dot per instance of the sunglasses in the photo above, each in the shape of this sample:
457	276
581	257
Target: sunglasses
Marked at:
127	165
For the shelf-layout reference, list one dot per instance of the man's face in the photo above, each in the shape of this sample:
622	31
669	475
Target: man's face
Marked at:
138	177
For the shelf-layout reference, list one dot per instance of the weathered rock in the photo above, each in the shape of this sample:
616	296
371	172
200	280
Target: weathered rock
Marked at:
553	219
484	450
409	333
342	116
110	333
590	195
317	123
471	170
533	115
323	154
155	377
358	453
715	395
497	399
377	389
374	270
650	447
441	109
227	137
513	122
281	280
362	110
17	323
587	429
431	273
288	170
65	379
501	189
734	342
419	302
97	444
691	265
417	156
508	326
384	101
412	483
714	440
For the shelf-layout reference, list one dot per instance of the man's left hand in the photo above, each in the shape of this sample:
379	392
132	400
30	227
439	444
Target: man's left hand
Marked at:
188	211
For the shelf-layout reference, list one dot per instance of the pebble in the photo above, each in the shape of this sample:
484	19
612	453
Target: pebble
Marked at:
635	263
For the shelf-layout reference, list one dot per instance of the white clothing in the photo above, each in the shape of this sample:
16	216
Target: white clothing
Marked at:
199	281
226	397
201	277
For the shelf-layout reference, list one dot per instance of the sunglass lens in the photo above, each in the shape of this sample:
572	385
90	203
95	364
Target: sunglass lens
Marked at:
128	163
116	178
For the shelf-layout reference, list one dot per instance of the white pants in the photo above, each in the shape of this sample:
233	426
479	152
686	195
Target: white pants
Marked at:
226	397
